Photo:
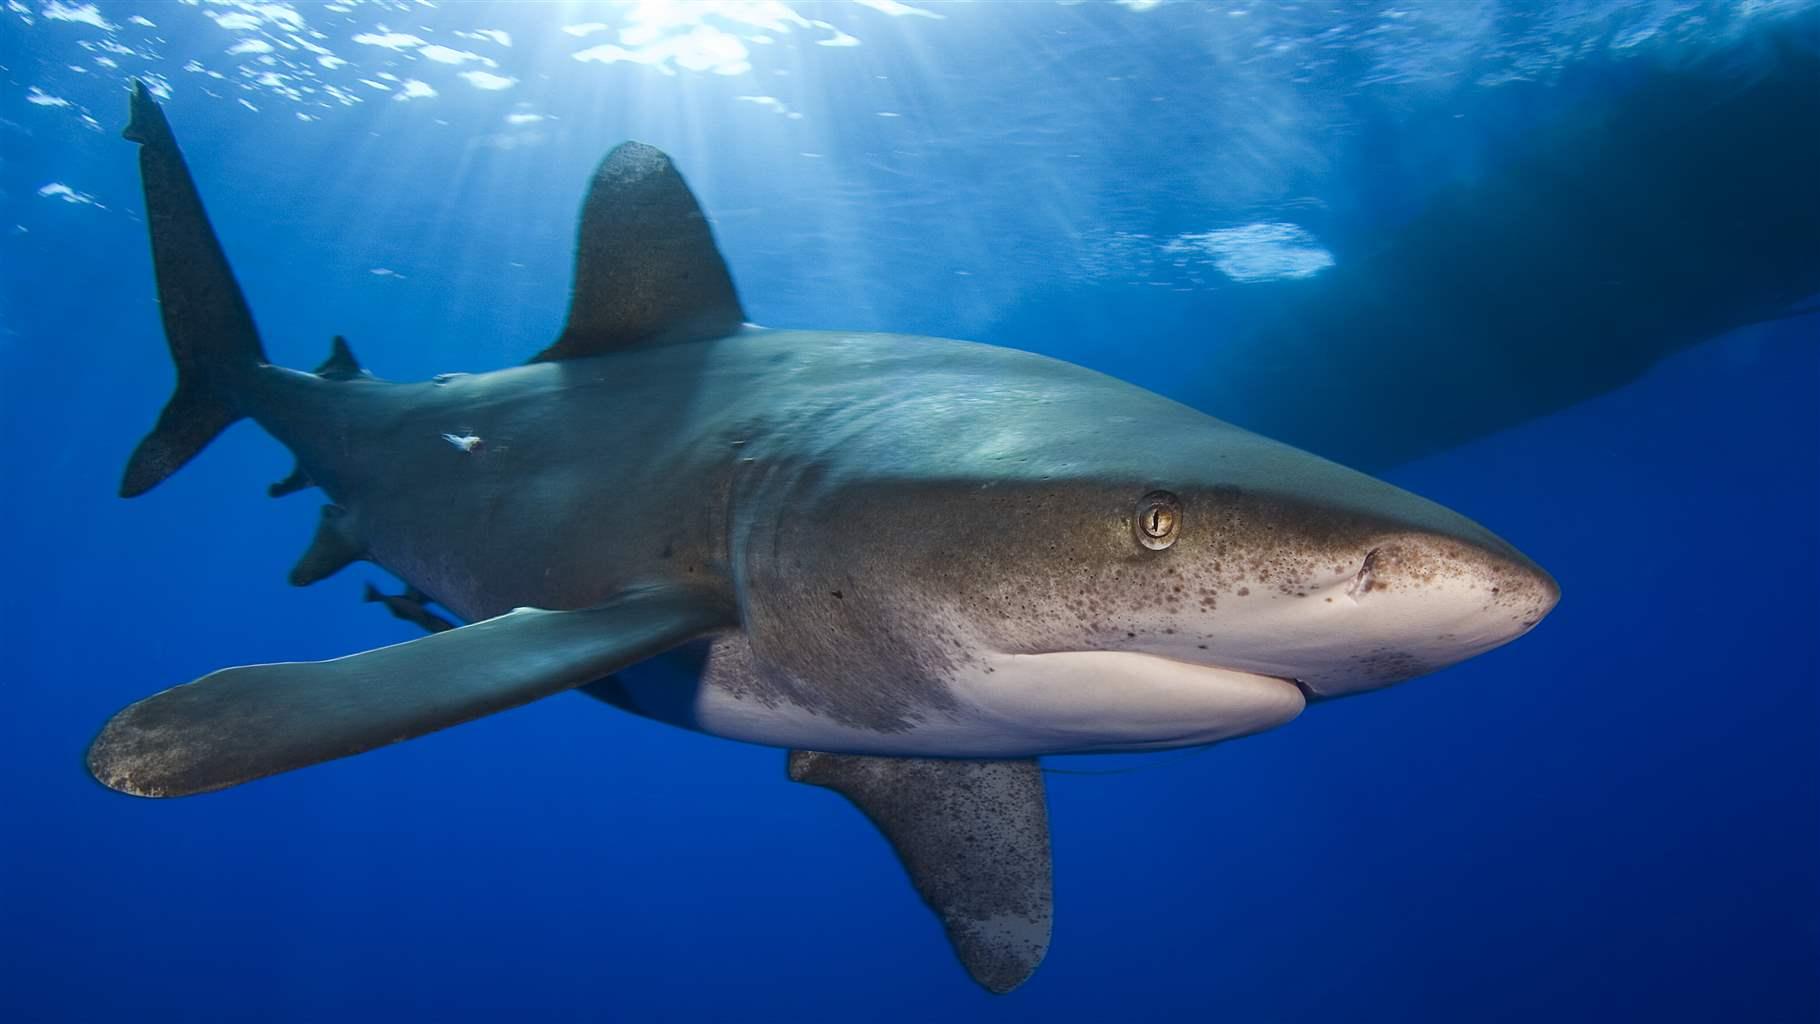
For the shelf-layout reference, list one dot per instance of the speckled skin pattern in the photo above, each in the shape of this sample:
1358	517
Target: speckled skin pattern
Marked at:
888	513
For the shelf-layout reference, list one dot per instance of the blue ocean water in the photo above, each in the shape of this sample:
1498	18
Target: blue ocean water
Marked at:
1617	816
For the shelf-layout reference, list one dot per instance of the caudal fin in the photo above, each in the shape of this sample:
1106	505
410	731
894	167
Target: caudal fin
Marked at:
206	321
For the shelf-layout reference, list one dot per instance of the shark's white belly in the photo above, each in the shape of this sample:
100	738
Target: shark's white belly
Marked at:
1005	706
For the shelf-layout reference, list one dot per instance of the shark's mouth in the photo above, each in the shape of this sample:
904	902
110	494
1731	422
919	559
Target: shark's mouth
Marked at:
1102	701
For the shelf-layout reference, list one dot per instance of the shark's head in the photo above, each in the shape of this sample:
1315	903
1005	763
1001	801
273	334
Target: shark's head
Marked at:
1262	559
1117	545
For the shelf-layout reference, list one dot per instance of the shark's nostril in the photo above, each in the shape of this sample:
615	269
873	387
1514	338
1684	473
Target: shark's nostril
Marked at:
1363	581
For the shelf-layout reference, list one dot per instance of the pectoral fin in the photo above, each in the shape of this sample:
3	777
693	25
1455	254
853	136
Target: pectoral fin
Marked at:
242	723
974	836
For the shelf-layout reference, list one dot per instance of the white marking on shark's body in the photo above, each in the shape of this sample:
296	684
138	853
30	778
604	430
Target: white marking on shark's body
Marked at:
885	552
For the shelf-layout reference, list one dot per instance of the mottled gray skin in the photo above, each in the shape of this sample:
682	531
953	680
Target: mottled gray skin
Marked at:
854	496
892	519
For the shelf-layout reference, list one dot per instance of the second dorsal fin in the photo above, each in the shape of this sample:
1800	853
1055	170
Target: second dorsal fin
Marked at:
646	268
341	364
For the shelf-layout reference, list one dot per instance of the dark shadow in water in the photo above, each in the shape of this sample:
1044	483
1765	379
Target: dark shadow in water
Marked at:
1633	229
1630	228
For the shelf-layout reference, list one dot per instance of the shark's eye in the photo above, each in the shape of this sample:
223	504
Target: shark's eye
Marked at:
1159	519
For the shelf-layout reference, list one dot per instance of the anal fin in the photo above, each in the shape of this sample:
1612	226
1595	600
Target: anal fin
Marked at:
297	481
974	836
335	547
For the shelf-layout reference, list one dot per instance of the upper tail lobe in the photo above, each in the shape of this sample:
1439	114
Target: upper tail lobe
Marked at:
211	332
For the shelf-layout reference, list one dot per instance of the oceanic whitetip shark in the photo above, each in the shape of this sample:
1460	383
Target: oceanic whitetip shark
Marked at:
917	564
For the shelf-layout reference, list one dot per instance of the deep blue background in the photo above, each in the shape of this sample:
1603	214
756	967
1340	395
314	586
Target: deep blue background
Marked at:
1617	817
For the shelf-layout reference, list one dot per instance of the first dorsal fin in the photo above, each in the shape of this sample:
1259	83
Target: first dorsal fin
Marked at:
646	269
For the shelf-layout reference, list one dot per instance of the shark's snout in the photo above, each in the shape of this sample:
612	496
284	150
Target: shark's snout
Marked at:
1419	561
1421	601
